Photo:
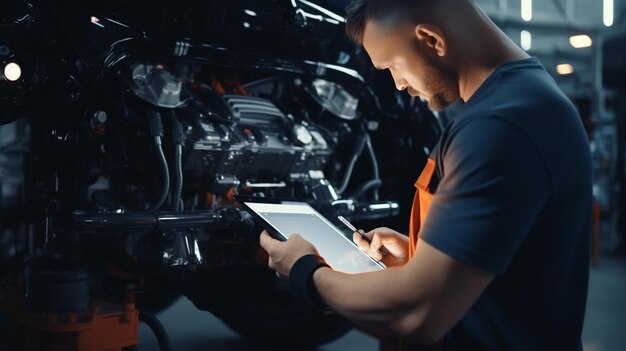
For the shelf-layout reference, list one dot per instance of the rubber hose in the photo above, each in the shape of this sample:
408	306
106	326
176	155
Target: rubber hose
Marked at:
372	184
157	328
374	162
178	179
165	176
356	152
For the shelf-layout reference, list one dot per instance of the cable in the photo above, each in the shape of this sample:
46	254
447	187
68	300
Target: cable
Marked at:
165	176
178	138
372	184
357	149
178	179
362	141
375	169
156	129
157	328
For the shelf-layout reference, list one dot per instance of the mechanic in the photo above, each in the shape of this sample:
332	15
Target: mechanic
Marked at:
502	208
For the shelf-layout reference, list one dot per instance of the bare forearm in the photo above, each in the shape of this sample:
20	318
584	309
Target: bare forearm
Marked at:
377	300
421	300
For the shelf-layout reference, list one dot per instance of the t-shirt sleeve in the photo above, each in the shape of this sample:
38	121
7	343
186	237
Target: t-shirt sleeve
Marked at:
493	189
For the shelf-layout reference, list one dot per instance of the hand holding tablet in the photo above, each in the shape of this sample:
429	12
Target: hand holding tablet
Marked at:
343	220
284	218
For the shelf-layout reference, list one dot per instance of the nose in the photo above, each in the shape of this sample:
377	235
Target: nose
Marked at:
400	83
400	86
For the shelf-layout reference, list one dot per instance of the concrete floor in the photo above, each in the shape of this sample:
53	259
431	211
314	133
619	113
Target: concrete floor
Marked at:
191	329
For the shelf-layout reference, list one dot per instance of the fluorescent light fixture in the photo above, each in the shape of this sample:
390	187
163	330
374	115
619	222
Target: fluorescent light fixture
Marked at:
526	40
580	41
527	10
12	72
564	69
607	16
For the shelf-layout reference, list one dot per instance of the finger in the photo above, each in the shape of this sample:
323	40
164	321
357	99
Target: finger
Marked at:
360	242
370	235
374	248
377	256
266	241
295	237
272	264
356	238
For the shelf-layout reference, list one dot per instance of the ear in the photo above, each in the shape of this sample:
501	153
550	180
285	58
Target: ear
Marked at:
431	36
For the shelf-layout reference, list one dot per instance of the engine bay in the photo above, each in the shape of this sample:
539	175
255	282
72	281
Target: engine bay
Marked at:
121	151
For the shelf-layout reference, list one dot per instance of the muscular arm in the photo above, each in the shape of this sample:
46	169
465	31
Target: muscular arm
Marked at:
421	300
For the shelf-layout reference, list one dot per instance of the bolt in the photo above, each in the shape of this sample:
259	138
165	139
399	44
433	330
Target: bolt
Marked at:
100	117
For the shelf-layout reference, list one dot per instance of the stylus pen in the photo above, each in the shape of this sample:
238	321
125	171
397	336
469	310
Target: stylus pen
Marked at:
360	231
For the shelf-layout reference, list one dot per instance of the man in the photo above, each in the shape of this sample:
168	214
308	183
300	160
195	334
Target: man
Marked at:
502	258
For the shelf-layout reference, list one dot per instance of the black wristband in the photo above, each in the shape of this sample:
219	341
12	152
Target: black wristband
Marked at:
301	280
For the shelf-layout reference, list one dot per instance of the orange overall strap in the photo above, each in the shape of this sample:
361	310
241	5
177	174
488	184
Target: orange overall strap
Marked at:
421	203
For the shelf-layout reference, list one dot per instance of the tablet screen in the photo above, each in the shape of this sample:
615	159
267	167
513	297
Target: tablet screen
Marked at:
298	217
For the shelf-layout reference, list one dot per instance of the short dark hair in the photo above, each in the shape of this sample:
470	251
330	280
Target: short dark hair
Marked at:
355	19
359	12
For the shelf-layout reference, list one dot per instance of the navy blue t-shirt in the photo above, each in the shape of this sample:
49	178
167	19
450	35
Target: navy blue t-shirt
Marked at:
514	198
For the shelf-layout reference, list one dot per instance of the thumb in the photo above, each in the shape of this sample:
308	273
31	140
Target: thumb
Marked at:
266	241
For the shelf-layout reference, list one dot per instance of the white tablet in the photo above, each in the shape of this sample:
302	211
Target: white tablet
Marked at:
284	218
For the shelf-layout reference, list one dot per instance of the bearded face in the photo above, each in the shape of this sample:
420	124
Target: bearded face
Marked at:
414	66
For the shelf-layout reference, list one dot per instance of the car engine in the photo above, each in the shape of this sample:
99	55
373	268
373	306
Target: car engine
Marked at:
123	144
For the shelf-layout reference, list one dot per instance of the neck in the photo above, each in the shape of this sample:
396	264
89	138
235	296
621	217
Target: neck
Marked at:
485	48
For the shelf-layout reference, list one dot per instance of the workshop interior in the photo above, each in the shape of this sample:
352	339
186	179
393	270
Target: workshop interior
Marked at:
127	128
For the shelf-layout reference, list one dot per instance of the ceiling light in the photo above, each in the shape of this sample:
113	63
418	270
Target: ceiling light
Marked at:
526	40
564	69
607	16
580	41
12	72
527	10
